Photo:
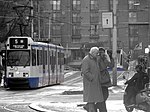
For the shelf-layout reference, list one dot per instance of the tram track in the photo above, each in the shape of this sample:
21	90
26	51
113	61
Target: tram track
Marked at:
10	110
17	107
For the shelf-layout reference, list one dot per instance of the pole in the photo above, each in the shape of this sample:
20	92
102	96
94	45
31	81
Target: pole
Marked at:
49	31
39	21
32	30
115	43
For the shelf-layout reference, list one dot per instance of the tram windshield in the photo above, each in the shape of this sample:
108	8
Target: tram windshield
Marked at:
18	58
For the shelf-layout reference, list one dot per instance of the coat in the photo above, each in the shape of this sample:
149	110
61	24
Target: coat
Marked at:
103	64
92	91
138	81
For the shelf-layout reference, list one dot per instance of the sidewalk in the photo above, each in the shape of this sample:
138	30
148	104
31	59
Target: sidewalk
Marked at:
77	106
73	100
112	106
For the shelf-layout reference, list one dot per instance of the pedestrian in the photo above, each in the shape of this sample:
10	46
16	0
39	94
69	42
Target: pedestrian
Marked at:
1	70
105	60
92	91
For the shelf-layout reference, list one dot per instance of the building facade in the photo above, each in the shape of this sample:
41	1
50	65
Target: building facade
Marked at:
77	24
83	25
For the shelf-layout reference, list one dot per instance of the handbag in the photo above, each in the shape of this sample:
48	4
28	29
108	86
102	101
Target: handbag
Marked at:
105	78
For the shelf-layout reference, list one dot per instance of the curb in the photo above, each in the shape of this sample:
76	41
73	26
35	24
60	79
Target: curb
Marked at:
112	106
35	106
50	106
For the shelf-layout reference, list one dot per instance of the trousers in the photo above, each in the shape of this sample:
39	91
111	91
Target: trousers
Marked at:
102	105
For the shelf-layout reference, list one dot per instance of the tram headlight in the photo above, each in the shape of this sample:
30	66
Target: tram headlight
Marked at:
10	74
17	73
25	75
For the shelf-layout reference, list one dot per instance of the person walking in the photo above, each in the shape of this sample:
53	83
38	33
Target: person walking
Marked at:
92	91
105	60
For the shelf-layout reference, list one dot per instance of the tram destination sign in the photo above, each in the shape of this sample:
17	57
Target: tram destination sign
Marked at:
18	43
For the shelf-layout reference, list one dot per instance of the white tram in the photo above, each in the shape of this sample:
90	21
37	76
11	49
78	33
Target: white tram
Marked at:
32	64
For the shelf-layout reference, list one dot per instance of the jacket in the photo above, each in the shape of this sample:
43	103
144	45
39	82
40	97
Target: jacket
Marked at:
92	91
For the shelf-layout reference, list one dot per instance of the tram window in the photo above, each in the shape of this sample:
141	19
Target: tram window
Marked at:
40	57
18	58
59	58
60	61
33	57
45	57
37	57
54	57
49	56
62	58
53	62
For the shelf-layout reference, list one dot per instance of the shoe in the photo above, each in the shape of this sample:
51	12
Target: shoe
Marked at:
86	107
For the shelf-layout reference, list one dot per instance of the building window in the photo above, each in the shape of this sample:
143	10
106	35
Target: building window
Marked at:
94	18
111	5
94	4
133	34
56	4
94	30
76	17
132	5
56	18
57	39
76	30
76	40
93	40
76	4
133	30
56	30
77	54
132	16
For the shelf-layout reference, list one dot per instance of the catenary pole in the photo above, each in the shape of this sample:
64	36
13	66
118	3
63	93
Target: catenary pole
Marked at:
32	30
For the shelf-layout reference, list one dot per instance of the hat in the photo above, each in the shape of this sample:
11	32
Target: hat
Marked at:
101	49
93	49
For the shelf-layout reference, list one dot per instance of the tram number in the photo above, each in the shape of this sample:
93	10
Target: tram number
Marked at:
18	43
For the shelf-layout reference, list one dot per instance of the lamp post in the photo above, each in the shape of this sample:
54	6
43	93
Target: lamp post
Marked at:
32	27
115	42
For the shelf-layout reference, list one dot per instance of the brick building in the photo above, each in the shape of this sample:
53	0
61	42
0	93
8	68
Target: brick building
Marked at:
76	24
82	25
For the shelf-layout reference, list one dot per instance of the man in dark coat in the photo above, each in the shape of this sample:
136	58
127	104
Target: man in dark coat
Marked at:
92	91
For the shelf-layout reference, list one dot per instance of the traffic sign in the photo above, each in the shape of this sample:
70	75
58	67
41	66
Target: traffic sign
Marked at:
107	20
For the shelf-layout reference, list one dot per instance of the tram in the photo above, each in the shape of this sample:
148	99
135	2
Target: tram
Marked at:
31	64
